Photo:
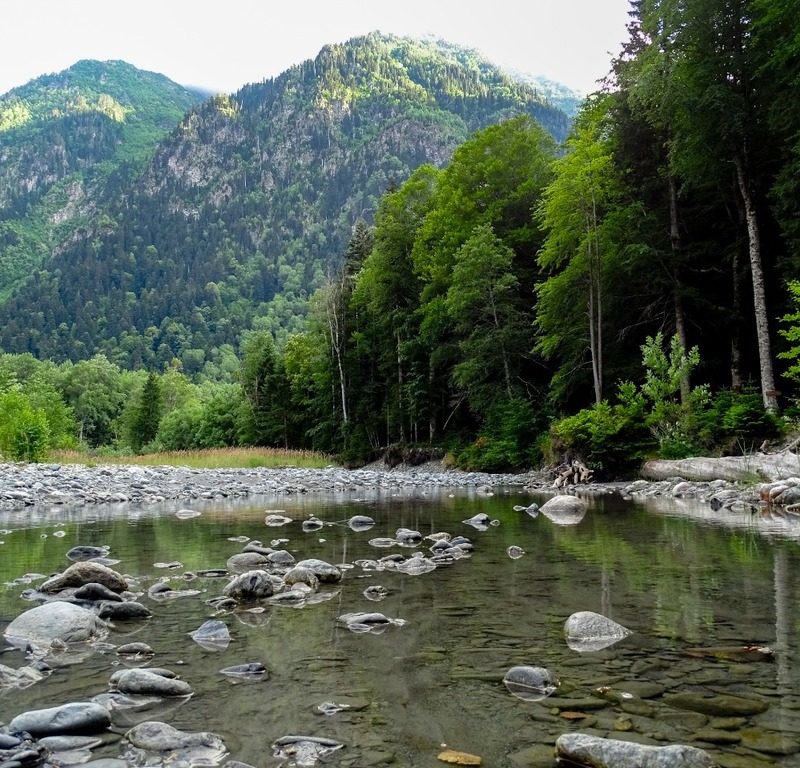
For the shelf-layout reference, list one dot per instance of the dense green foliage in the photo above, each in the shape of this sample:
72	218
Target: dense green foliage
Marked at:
67	140
250	202
470	285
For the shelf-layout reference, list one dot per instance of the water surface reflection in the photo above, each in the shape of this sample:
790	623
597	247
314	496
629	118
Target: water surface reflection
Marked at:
679	580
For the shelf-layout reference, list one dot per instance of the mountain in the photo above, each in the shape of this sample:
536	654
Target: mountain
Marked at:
557	94
62	138
248	204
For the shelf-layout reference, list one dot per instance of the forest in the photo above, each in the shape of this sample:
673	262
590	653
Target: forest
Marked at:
631	292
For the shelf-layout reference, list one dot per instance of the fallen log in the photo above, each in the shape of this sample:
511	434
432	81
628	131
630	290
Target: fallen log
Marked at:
753	468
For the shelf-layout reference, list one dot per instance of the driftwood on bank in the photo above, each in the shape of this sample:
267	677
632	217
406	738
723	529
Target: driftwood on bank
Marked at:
573	473
758	467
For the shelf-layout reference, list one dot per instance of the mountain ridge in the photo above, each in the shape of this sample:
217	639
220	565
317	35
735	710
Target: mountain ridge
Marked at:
248	203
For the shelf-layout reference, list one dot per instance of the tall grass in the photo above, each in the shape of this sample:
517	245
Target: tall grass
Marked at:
209	458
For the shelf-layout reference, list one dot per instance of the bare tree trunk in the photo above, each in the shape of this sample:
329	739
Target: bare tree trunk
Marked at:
737	378
506	369
337	342
768	391
675	247
400	416
595	303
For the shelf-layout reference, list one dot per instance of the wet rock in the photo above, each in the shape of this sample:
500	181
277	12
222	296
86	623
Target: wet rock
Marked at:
454	757
258	547
175	747
301	575
128	610
375	592
407	536
312	524
149	682
86	552
212	635
249	587
55	622
360	523
19	679
719	705
325	572
77	717
247	561
135	651
85	572
187	514
564	510
769	742
94	592
416	566
275	520
253	670
480	521
529	683
304	750
587	631
515	552
598	752
374	623
281	557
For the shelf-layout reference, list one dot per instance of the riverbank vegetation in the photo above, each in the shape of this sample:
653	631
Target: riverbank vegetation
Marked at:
629	294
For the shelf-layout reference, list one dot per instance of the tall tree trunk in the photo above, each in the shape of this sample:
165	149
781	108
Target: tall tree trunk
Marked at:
400	416
675	247
737	377
503	352
768	392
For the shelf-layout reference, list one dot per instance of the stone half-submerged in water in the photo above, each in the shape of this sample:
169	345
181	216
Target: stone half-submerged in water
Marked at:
213	635
374	623
251	670
158	744
360	523
515	552
583	749
529	683
55	623
587	631
479	522
304	751
564	510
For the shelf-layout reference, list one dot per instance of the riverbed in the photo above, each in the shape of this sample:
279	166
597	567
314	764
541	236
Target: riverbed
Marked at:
433	676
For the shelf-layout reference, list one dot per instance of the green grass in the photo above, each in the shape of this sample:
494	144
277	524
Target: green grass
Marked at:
211	458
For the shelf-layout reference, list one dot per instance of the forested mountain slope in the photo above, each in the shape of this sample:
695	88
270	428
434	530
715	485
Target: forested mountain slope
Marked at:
250	202
63	138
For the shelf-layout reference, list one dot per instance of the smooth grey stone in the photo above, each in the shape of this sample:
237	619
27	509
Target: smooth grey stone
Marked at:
614	753
298	575
564	510
360	523
281	557
152	682
213	635
77	717
56	621
153	736
325	572
587	631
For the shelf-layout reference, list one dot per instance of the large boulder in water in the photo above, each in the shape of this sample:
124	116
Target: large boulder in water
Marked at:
168	744
597	752
588	631
564	510
149	682
249	586
78	717
85	572
54	622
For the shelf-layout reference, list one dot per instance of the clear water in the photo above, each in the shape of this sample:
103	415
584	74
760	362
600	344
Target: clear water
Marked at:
675	575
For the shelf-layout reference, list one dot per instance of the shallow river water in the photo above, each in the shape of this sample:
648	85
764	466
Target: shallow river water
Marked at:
679	578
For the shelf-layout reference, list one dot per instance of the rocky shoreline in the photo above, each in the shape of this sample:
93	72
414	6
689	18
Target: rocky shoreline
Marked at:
27	485
73	485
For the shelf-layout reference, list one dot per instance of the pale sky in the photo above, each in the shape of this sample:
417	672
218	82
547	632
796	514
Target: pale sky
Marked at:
223	44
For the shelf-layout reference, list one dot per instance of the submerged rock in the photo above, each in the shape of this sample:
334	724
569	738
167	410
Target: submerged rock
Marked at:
598	752
325	572
86	552
77	717
529	683
304	750
212	635
587	631
360	523
368	622
174	747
